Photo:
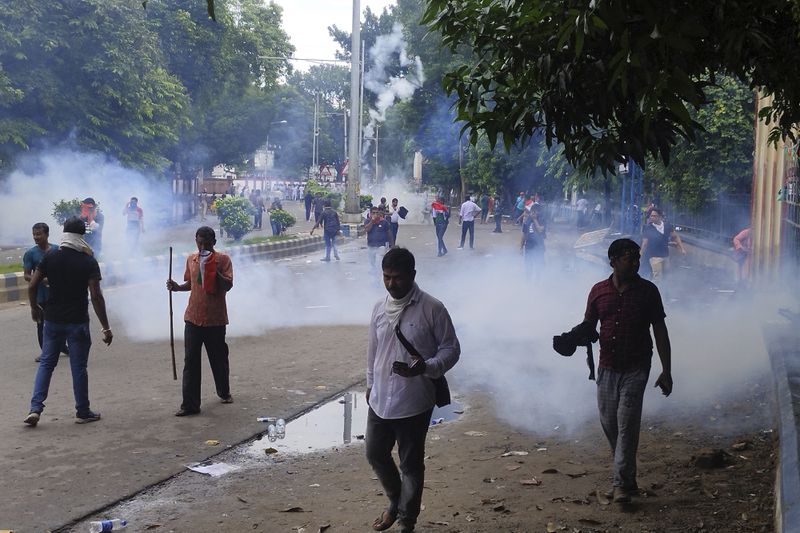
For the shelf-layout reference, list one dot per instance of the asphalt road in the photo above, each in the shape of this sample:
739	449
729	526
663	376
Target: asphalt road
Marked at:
296	325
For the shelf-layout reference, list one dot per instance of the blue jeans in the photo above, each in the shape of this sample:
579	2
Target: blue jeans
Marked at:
468	225
330	242
440	230
79	341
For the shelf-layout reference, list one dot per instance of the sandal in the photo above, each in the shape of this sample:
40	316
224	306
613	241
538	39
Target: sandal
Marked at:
384	521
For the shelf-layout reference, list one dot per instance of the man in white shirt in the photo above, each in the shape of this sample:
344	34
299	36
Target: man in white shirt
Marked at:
400	388
469	210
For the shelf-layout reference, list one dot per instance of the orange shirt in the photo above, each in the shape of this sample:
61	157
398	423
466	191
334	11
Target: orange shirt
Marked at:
207	309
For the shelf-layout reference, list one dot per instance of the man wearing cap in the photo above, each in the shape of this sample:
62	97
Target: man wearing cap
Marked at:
71	271
626	306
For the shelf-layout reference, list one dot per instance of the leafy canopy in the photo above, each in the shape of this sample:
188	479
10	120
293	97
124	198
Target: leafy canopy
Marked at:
612	79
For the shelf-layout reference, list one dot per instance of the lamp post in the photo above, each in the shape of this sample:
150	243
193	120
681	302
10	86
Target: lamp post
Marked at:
268	163
344	114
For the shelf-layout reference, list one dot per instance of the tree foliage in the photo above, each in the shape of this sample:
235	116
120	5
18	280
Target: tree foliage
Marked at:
146	86
721	160
611	79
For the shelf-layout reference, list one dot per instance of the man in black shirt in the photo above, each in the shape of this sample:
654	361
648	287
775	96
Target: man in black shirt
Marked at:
71	271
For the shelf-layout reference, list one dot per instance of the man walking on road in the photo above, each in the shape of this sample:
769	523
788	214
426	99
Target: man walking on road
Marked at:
71	271
655	243
379	235
469	210
441	218
208	277
400	389
626	306
329	220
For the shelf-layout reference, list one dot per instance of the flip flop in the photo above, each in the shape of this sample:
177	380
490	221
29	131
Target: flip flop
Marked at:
384	521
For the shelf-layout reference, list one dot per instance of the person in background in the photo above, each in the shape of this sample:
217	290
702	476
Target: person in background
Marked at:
400	389
469	210
498	214
208	277
94	220
72	272
274	223
532	244
484	202
394	218
379	235
742	251
441	218
330	230
135	226
656	237
30	261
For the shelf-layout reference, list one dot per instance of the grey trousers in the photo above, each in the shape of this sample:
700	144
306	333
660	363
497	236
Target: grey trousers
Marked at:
620	397
405	494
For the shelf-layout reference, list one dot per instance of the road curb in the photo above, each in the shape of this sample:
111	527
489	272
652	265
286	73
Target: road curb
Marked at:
784	358
14	287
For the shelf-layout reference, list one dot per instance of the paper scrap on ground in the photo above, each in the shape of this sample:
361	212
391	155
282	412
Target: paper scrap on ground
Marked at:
212	469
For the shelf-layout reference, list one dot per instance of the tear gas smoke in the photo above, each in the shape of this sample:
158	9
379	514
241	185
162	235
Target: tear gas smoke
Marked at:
379	81
41	179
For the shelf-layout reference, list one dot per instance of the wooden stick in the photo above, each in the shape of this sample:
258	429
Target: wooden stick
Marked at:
171	327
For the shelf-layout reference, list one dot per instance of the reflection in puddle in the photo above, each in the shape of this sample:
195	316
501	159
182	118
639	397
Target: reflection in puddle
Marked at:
335	423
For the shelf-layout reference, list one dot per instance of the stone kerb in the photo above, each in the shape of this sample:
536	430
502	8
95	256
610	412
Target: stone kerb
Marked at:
14	287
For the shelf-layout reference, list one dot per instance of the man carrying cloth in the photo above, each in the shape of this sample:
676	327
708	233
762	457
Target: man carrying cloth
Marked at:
71	271
400	389
626	306
208	277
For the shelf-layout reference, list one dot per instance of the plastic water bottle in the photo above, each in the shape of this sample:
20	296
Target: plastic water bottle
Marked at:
280	428
272	433
107	525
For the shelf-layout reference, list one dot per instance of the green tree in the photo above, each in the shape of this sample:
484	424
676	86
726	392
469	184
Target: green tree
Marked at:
721	160
615	78
88	71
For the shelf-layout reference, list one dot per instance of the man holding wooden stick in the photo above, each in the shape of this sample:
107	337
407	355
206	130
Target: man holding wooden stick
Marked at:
208	277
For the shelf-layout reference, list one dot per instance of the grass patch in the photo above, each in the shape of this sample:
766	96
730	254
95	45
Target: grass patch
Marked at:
11	268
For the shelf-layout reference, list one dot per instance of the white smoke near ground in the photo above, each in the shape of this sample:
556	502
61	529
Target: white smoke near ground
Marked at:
41	179
505	322
384	56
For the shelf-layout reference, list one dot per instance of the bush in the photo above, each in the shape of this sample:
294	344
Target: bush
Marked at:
364	201
64	209
313	186
235	215
282	217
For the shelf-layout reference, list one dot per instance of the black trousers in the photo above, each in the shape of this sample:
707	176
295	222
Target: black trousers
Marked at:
404	493
213	337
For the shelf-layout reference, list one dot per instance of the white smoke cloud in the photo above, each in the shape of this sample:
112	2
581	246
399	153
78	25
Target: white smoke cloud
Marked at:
389	89
43	178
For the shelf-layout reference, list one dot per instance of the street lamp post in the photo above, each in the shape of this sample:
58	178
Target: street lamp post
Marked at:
269	160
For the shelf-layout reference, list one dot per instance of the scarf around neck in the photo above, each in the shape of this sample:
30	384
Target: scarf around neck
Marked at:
393	307
207	273
76	242
659	227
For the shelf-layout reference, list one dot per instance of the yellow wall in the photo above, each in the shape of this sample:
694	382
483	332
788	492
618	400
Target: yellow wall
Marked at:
770	164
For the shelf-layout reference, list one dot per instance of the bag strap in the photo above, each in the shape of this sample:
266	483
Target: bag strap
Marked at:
405	342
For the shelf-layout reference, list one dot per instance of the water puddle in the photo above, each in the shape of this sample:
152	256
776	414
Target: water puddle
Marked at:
339	422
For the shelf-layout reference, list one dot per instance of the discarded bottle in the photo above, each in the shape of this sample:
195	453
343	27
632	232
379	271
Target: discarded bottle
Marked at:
107	525
280	428
437	421
272	433
267	419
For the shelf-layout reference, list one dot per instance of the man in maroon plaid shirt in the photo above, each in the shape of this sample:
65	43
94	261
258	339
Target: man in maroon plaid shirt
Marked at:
626	306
